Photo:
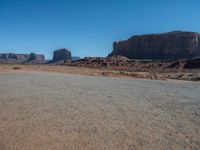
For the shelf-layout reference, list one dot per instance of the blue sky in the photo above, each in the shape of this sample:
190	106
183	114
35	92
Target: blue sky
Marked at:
88	27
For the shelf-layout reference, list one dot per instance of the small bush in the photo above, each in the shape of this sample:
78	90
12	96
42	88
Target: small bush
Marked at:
16	68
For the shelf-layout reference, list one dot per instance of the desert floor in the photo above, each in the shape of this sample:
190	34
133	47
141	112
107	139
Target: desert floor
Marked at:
80	70
54	111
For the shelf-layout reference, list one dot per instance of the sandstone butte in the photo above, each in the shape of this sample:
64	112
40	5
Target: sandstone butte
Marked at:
171	45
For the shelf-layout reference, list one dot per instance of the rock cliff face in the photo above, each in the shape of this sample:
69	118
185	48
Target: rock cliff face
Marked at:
61	55
21	58
171	45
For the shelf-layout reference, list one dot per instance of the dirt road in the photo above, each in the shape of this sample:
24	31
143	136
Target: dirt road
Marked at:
52	111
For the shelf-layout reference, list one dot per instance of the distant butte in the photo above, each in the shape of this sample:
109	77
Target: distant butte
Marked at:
171	45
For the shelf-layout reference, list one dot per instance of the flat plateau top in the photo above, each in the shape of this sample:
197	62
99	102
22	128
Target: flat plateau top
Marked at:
52	111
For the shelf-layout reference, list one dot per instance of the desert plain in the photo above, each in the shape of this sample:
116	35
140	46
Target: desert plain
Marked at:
74	109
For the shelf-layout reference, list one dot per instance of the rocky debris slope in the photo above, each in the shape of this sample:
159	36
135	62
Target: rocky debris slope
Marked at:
22	58
125	64
189	69
193	64
61	55
171	45
184	76
186	64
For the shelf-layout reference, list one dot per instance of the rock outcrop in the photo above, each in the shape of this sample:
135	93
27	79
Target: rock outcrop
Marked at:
74	58
35	58
185	64
193	64
61	55
172	45
122	63
21	58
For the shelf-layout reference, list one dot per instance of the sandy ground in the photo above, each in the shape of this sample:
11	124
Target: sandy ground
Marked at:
80	70
53	111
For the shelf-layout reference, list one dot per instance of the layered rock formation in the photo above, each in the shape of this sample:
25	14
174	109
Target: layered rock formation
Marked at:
172	45
61	55
21	58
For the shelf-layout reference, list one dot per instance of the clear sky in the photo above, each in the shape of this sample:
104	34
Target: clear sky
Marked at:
88	27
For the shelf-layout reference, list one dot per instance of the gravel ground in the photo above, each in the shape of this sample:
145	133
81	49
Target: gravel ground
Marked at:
52	111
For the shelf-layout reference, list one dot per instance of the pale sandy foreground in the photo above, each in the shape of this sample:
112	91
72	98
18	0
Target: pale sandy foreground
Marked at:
52	111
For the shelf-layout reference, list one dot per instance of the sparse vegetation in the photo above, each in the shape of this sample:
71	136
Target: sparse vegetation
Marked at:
16	68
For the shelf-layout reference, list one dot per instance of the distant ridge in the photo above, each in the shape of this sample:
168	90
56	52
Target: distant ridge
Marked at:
22	58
